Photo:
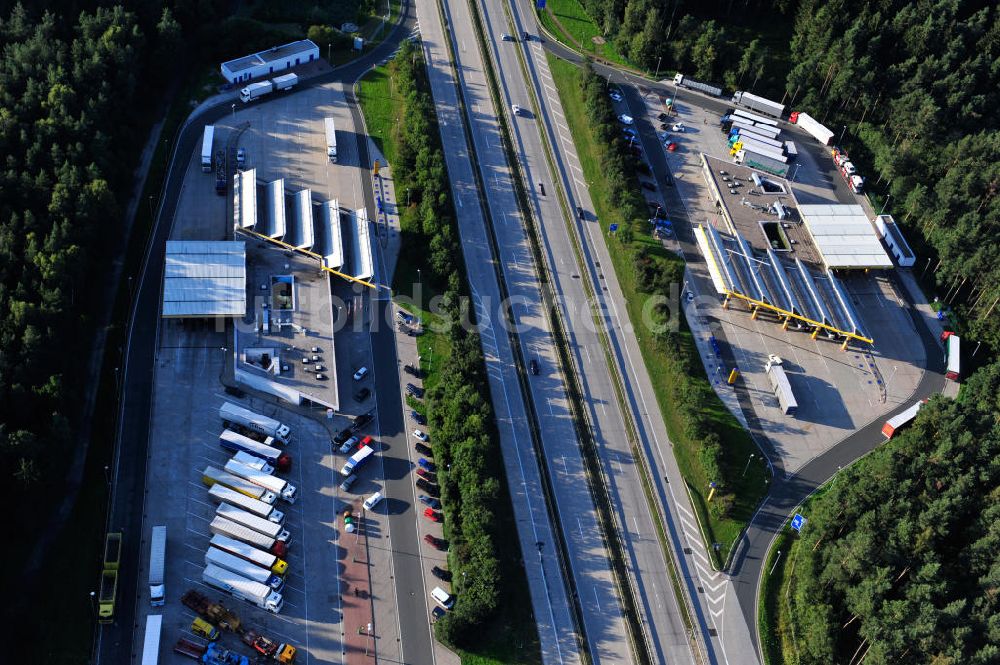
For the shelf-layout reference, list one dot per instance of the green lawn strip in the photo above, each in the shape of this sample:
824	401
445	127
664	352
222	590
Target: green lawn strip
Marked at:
511	637
772	619
738	446
571	18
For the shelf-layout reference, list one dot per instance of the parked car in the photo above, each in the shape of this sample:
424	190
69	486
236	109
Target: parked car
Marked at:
428	487
430	501
615	95
441	574
417	434
405	317
361	373
362	395
436	543
414	390
320	376
437	612
433	516
348	444
342	435
427	464
427	475
411	370
422	449
515	109
662	116
677	127
348	481
626	119
418	418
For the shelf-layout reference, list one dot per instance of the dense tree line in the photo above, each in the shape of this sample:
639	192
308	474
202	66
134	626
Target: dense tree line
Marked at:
460	414
656	273
898	562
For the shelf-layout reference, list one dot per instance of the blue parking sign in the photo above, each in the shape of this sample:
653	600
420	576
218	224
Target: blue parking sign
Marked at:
798	522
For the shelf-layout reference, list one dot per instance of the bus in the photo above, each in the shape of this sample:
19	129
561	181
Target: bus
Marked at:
952	356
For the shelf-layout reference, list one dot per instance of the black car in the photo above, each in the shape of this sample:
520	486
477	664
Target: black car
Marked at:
423	448
665	126
533	365
361	421
362	395
412	371
579	212
441	574
428	487
662	116
414	390
417	418
342	435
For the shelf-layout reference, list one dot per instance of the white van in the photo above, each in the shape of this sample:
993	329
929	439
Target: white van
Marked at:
373	500
443	598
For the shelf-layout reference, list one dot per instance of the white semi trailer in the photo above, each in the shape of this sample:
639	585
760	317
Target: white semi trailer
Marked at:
251	521
282	488
263	559
242	567
223	494
240	587
157	560
215	476
224	527
331	140
207	140
231	413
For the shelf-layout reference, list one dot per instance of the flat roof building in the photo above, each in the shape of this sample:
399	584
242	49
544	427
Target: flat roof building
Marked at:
844	237
275	59
204	279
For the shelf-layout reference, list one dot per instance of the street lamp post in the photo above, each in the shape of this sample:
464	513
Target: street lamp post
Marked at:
885	203
93	602
657	75
107	474
234	111
747	466
841	139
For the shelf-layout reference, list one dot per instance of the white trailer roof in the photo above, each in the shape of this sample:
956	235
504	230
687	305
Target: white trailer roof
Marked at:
844	236
204	279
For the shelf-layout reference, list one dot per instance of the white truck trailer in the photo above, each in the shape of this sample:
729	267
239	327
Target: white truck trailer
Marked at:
253	461
256	91
781	387
215	476
356	460
224	527
242	567
151	640
157	560
223	494
207	140
814	128
759	104
261	558
761	162
282	488
234	442
231	413
331	140
251	521
284	82
687	82
256	593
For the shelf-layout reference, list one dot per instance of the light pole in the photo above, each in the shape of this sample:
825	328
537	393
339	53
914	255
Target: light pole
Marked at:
234	111
747	466
107	474
841	139
775	563
93	602
656	76
884	204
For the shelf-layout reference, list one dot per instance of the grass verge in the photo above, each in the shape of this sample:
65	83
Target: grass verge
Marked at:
511	637
748	488
570	23
771	619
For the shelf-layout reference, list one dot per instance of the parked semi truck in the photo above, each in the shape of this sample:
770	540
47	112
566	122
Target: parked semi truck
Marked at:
253	461
331	140
231	413
251	521
151	640
216	613
813	127
238	548
207	141
222	493
157	559
759	104
244	568
356	460
112	551
901	420
681	80
106	596
235	442
213	475
282	488
780	386
225	527
240	587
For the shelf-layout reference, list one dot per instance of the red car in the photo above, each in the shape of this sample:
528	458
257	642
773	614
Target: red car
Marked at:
436	543
367	441
424	473
433	516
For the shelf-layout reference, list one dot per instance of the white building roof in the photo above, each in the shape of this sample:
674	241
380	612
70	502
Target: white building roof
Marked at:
204	278
844	236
